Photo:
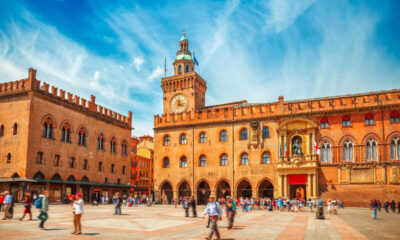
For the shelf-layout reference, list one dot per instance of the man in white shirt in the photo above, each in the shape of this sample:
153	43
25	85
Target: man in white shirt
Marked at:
214	210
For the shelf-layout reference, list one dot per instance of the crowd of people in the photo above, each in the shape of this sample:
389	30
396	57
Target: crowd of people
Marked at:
389	206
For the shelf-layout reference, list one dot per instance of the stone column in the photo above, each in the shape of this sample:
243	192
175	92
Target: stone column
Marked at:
280	185
285	186
314	185
309	183
312	143
254	193
283	146
280	147
308	145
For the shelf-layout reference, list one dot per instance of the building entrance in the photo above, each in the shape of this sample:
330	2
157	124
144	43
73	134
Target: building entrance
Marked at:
203	193
298	191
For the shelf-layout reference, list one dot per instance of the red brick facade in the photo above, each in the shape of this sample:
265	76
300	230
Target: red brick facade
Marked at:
244	149
57	143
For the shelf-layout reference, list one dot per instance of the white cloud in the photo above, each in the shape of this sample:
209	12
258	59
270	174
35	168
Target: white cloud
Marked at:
157	73
137	62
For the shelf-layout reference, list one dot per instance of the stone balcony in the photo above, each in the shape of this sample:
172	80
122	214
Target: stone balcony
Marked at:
298	162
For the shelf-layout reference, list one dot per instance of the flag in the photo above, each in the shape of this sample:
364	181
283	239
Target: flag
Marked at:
286	152
195	60
280	150
165	67
317	149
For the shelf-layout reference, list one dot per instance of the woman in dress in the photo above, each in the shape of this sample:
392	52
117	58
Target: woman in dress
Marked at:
28	205
77	206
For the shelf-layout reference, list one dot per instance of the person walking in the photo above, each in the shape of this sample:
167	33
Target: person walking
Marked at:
386	206
28	205
77	211
193	204
229	213
373	206
393	206
379	205
42	203
185	204
118	202
309	202
1	201
214	210
8	201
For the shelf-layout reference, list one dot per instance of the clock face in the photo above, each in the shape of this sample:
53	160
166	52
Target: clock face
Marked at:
179	103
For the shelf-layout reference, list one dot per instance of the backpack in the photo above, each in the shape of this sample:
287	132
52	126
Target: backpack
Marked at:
38	203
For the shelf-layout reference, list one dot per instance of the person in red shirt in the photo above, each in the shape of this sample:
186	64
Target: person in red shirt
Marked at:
28	205
1	201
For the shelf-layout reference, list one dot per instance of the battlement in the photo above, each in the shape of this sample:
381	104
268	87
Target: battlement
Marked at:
245	111
33	84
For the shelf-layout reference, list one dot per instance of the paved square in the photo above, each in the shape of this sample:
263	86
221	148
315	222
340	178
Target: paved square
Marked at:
167	222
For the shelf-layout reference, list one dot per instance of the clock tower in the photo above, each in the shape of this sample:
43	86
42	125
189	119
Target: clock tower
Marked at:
185	90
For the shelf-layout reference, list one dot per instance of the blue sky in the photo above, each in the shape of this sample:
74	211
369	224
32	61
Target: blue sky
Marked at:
254	50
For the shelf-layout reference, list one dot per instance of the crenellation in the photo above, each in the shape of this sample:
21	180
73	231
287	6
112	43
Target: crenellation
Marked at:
76	99
69	97
62	94
46	87
83	102
54	91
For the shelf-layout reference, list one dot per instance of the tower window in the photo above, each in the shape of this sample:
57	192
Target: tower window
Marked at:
186	68
244	159
371	150
179	68
72	163
203	137
395	148
166	162
112	168
15	129
223	161
223	136
243	134
183	162
57	161
265	132
394	117
183	139
39	158
100	167
346	121
203	161
266	158
166	140
81	137
348	151
85	164
66	130
48	128
9	158
1	130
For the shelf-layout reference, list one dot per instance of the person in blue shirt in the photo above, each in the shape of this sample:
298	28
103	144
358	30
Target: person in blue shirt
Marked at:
214	210
8	201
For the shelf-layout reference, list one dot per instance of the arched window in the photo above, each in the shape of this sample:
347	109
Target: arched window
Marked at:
203	137
180	68
85	179
85	164
166	162
100	142
326	152
183	139
9	158
48	128
203	161
71	178
66	130
166	140
244	159
112	145
243	134
106	180
1	130
369	119
371	150
15	129
186	68
100	167
123	170
39	158
395	148
223	136
266	158
348	151
82	137
112	168
123	148
324	122
39	175
56	177
346	121
394	117
57	161
72	163
183	162
223	160
265	132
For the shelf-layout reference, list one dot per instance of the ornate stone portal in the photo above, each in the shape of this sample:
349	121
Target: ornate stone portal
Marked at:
298	163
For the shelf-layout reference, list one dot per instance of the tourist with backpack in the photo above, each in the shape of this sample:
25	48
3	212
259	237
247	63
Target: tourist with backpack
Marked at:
43	205
77	206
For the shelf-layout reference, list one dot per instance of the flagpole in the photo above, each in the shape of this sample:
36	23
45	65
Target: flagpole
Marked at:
165	67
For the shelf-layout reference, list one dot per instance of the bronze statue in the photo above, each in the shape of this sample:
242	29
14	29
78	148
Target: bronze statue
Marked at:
297	148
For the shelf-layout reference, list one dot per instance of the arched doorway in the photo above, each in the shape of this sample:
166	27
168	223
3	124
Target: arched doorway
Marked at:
223	189
244	189
203	192
266	189
184	190
166	193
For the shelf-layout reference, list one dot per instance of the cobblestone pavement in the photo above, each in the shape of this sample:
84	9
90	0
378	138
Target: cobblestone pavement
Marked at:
167	222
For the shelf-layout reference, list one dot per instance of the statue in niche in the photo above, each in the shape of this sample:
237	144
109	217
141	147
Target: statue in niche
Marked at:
296	145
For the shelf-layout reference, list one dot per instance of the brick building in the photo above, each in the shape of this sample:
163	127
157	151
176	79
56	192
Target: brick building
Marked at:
271	149
50	139
142	164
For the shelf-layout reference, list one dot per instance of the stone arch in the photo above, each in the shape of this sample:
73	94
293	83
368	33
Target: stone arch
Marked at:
223	188
284	123
71	178
56	177
326	138
184	188
66	121
265	188
45	117
39	175
15	175
203	191
348	136
244	188
371	135
392	135
85	179
167	192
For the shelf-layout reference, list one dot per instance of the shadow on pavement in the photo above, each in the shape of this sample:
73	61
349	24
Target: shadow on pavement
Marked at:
90	234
